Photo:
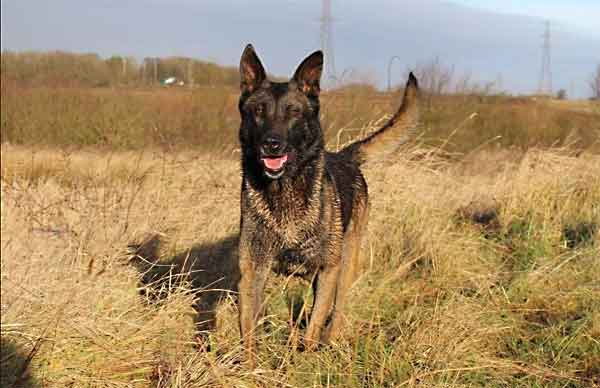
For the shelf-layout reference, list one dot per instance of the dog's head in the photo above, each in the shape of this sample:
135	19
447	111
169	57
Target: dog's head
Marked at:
280	130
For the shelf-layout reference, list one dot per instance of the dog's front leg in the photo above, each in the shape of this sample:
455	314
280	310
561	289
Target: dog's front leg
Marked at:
324	295
251	289
247	308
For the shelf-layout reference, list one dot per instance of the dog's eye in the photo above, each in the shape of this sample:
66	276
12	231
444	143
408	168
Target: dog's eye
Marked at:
294	111
259	110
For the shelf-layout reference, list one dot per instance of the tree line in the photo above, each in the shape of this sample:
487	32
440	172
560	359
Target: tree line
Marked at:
59	68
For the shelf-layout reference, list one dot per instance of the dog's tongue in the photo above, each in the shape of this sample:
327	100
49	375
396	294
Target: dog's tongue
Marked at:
275	163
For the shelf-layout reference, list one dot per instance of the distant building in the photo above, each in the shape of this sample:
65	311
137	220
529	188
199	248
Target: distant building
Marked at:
172	81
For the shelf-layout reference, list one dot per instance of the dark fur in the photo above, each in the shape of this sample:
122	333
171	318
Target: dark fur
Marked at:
308	217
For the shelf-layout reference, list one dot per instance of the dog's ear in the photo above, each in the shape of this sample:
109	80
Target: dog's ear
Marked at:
308	74
252	72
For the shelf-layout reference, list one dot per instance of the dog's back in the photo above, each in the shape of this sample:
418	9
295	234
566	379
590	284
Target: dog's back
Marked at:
350	185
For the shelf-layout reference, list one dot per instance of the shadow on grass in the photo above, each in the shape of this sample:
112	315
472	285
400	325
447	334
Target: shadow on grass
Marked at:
579	234
211	269
14	366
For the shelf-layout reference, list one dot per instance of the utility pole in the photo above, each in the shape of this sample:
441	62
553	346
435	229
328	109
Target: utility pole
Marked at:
500	83
327	41
144	72
545	86
155	70
124	69
389	72
190	73
572	90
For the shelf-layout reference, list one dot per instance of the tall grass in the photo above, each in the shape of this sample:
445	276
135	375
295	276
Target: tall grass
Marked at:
477	272
206	118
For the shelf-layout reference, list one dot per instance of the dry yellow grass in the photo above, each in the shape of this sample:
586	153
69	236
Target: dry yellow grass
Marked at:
482	272
205	119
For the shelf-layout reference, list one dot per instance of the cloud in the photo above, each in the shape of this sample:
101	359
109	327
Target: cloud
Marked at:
366	35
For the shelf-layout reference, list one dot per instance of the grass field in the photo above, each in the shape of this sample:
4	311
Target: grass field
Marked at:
206	119
119	217
479	270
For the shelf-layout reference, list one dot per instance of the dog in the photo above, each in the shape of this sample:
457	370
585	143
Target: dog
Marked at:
304	209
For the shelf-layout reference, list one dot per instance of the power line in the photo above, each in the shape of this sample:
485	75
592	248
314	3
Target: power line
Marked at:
545	86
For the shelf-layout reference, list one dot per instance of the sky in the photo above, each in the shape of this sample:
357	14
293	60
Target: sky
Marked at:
581	15
493	40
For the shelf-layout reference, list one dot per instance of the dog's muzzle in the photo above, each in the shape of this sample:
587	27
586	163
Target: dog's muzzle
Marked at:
274	165
272	157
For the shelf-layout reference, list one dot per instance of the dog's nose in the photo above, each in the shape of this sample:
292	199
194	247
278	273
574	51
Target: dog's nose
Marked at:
272	145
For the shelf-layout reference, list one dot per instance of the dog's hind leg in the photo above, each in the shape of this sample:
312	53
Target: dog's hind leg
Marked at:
349	271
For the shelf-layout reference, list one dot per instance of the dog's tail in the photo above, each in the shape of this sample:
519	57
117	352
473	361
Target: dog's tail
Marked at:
400	129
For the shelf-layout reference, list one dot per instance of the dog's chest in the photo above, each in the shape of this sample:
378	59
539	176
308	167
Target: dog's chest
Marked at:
300	261
288	218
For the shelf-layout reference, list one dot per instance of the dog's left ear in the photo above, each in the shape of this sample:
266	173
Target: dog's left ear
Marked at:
252	72
308	74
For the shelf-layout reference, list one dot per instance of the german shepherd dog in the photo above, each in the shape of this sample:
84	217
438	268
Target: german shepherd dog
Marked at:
303	209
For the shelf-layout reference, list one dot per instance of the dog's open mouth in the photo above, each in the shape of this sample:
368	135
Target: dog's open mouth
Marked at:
274	165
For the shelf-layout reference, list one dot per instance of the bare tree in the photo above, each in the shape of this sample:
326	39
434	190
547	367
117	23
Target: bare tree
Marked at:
595	84
435	78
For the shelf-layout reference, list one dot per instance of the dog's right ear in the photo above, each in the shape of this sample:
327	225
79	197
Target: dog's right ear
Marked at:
252	72
308	74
